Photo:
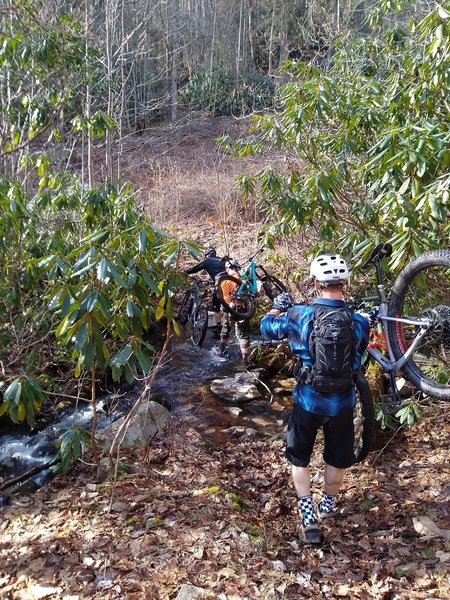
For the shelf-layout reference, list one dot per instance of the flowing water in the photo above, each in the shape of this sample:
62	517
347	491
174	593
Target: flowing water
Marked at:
182	385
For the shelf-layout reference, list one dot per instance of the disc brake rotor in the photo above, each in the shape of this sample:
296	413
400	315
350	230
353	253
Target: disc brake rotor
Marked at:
439	332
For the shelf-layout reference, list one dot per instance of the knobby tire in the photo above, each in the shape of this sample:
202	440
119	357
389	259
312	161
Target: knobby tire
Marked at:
199	325
245	302
363	419
272	286
185	308
422	288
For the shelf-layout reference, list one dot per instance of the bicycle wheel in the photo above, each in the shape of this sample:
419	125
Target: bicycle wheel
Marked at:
422	289
185	308
363	419
242	299
273	286
199	325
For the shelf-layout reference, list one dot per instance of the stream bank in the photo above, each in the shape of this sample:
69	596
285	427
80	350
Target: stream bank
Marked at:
183	385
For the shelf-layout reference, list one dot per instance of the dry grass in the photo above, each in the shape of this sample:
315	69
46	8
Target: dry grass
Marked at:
188	188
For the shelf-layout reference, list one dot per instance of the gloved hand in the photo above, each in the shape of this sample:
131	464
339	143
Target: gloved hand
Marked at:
232	305
373	316
282	301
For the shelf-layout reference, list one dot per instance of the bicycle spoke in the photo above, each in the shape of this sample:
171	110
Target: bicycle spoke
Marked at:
425	293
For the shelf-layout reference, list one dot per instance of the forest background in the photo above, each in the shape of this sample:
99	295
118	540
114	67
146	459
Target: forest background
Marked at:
95	97
111	181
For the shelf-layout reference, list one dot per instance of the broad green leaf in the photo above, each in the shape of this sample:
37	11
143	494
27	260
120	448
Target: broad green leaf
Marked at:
122	357
102	270
142	240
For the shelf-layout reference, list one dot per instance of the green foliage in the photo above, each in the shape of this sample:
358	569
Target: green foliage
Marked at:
366	142
71	446
84	275
222	94
22	399
409	414
94	285
111	283
43	67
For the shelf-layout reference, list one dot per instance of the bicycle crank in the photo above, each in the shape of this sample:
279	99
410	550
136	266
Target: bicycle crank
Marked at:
391	402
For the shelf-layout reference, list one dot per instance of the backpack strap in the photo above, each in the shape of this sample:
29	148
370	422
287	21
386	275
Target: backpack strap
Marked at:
302	373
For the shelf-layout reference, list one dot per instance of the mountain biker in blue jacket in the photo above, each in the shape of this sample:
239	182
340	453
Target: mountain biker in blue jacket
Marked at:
312	410
213	265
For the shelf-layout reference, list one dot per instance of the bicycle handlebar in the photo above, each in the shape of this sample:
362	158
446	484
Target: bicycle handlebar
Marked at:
259	251
356	303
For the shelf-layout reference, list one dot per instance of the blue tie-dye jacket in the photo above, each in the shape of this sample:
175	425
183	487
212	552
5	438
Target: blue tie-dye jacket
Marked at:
295	325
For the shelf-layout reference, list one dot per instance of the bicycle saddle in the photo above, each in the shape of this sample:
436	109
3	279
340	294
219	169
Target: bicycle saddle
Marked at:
380	251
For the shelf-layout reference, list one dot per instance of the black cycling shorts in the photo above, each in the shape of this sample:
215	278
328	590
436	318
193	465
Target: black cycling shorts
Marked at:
338	438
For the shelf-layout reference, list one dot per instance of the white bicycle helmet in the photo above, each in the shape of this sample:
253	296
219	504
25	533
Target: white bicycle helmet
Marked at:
329	269
232	264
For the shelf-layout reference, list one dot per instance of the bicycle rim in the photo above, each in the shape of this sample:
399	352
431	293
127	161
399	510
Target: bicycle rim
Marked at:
242	298
273	286
363	420
185	308
422	289
199	326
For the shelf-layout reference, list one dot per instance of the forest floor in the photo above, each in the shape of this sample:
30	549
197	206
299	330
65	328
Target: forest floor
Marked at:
196	520
192	519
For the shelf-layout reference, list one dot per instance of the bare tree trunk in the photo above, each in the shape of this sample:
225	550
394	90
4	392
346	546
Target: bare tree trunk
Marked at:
239	46
109	29
213	39
123	88
174	60
271	36
250	35
336	19
89	165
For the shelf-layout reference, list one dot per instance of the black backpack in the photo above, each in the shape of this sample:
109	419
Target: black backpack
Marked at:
332	346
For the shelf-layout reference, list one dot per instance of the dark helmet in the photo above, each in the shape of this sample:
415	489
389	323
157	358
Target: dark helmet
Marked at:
232	264
210	252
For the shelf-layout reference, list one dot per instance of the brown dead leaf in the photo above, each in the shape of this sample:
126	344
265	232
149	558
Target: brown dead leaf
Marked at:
42	591
426	527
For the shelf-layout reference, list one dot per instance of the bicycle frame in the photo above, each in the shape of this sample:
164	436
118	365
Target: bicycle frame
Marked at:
250	276
389	364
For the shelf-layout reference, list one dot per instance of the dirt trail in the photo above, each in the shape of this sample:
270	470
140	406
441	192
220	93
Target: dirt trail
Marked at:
223	519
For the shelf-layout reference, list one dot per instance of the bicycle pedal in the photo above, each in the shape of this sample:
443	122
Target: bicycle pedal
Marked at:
389	403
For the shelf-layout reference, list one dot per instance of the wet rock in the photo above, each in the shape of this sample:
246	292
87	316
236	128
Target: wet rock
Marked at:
150	418
235	390
240	431
234	410
287	385
249	376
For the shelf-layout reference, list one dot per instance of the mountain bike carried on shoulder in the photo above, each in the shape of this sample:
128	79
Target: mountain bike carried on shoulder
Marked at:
194	314
415	331
252	279
414	321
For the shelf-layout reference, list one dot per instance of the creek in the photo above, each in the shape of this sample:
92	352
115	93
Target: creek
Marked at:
183	385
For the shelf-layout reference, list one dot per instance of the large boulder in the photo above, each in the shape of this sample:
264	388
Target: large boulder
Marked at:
239	389
149	419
